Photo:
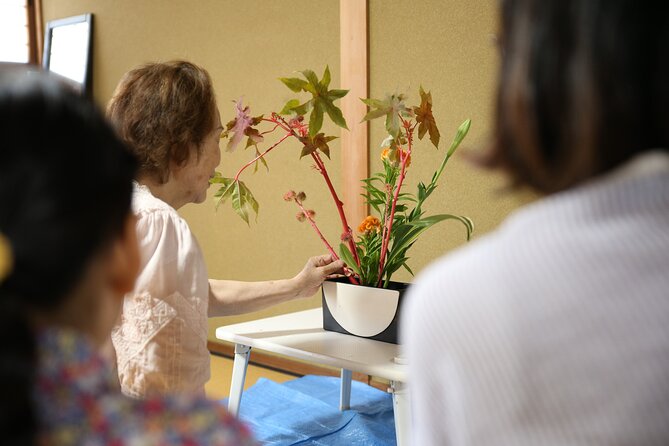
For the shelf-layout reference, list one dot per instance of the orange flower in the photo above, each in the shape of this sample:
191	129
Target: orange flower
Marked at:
385	153
370	224
393	156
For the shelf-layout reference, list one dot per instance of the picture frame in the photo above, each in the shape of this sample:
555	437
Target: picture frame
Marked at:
68	51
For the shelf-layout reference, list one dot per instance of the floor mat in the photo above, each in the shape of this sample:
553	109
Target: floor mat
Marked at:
305	411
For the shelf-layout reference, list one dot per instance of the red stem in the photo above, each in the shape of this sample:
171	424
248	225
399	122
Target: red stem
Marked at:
389	221
273	120
260	156
323	239
340	206
276	125
279	121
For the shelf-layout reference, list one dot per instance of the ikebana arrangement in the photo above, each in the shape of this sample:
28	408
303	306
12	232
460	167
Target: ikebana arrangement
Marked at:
383	240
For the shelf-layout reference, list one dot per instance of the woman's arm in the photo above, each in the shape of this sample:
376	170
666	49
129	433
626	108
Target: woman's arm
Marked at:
230	297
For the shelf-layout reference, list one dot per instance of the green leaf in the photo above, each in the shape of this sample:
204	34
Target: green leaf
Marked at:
325	82
393	124
334	113
311	77
374	103
391	107
225	191
402	242
374	114
427	222
260	159
337	94
347	257
289	107
294	83
316	119
303	109
243	201
322	100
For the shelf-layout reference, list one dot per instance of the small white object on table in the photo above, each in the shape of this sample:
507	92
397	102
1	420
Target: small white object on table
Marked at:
300	335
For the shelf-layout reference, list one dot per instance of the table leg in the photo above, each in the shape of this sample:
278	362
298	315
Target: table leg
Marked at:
242	353
345	394
402	412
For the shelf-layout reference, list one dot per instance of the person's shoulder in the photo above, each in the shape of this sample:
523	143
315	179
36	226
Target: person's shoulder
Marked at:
143	201
154	214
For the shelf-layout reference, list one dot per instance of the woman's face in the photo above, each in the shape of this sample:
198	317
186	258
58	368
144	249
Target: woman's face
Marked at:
194	176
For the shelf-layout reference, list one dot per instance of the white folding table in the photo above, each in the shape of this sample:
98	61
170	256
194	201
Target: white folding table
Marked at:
300	335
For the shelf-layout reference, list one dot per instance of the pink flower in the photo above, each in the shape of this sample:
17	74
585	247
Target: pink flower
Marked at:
241	123
289	196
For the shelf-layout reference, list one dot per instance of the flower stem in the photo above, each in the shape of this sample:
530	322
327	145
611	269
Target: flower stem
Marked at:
260	156
276	125
323	239
389	221
340	206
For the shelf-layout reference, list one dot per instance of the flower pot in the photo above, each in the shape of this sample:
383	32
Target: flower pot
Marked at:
363	311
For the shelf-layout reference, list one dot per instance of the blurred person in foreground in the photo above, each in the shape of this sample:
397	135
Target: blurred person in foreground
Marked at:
554	329
68	254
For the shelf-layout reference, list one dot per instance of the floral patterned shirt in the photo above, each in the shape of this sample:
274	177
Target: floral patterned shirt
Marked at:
79	402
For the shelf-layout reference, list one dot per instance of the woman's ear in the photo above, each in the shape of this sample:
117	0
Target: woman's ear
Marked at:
124	266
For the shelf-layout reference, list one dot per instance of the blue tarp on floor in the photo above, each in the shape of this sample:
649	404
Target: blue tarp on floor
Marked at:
305	411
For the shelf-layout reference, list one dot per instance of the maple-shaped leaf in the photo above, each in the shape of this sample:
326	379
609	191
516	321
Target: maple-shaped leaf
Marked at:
243	201
254	137
321	102
391	107
318	142
293	83
241	197
238	126
425	118
225	190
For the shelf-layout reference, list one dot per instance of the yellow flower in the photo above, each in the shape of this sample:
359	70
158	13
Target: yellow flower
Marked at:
393	156
370	224
5	257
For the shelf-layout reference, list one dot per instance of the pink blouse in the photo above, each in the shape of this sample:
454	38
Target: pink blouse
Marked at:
161	339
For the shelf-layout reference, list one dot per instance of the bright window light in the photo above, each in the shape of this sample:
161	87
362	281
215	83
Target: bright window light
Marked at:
14	31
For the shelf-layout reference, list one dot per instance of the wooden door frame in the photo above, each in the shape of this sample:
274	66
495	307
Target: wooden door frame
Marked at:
354	63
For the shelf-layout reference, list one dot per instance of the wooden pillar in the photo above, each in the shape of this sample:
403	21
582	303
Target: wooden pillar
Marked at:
354	77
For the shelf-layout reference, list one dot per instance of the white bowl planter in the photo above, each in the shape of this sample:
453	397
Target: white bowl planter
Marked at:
361	310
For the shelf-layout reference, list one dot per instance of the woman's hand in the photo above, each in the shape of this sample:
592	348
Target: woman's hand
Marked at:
315	272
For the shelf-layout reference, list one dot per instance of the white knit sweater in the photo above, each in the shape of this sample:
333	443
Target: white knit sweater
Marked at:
553	330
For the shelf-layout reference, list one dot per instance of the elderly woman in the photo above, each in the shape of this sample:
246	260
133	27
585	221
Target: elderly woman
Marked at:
167	114
552	330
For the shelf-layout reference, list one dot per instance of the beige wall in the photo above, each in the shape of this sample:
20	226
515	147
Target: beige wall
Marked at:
444	45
